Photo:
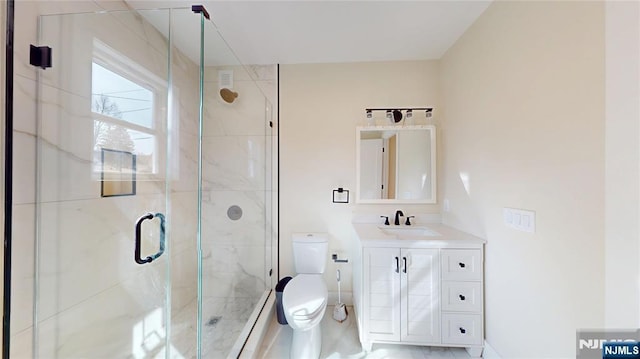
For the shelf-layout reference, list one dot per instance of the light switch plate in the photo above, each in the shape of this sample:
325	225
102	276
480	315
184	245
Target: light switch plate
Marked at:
520	219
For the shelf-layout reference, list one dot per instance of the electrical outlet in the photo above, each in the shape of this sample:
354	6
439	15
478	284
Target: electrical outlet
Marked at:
520	219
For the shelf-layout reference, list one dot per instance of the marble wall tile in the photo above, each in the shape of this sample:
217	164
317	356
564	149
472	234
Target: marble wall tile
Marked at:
24	112
269	89
26	27
112	5
156	34
244	73
262	72
237	270
219	229
72	72
22	278
184	278
184	219
270	175
21	344
182	248
245	116
24	168
185	178
183	330
234	163
123	321
87	246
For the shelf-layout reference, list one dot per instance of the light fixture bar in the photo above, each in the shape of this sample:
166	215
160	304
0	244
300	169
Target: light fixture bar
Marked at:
427	109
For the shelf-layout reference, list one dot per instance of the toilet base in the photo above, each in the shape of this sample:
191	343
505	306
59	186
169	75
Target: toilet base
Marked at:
306	344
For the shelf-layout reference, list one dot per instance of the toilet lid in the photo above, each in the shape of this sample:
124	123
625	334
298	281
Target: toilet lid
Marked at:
305	295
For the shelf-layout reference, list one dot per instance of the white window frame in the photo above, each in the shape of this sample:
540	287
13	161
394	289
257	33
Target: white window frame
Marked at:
123	66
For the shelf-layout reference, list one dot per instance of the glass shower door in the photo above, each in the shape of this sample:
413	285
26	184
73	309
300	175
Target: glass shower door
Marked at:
104	172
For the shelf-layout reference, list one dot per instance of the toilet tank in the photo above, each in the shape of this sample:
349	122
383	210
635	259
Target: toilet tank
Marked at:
310	252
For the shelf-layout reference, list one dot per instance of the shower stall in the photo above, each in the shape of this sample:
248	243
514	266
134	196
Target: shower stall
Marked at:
155	207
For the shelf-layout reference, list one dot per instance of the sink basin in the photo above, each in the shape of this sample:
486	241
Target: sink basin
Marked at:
407	231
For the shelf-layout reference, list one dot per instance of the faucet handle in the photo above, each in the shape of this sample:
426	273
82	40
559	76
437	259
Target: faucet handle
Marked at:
386	220
408	222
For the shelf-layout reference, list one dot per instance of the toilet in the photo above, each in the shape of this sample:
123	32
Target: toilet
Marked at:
304	298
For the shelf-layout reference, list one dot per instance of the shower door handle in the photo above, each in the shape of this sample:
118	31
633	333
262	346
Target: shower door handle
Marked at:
138	238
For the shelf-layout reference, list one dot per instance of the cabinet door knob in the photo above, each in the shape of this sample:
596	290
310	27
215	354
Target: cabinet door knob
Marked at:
462	297
462	330
397	265
462	265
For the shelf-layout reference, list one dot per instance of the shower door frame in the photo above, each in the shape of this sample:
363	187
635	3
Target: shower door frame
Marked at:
8	177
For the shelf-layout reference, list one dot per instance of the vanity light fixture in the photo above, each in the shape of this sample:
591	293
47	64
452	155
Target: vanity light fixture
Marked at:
370	120
394	115
397	116
369	115
429	112
389	115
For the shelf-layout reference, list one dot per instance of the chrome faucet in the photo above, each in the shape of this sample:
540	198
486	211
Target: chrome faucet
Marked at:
398	214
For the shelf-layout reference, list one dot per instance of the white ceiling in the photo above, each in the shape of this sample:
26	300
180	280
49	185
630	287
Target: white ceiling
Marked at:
289	32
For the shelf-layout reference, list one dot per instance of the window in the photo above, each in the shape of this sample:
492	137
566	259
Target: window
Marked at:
126	103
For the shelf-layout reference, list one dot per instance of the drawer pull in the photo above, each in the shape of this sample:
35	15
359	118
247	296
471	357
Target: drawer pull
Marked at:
462	330
462	265
462	297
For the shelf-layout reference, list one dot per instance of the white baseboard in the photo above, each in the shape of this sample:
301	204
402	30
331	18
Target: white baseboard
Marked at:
489	352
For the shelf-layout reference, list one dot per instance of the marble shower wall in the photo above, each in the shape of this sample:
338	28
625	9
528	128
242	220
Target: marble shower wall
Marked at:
93	298
238	169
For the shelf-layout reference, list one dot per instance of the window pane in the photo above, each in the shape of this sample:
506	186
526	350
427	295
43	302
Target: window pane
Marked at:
144	147
115	96
119	138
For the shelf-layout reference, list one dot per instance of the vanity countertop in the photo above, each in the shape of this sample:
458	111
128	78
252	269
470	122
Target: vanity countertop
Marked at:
371	235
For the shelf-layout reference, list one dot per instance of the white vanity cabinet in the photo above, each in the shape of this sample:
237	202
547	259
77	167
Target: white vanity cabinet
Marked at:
419	292
462	295
401	294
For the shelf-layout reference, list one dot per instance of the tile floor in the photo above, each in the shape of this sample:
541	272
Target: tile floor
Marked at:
340	341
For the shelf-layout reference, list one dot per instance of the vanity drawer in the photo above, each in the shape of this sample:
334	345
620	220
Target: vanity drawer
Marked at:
461	264
462	296
462	329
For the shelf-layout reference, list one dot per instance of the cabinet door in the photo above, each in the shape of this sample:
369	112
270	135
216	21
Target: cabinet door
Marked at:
420	313
382	293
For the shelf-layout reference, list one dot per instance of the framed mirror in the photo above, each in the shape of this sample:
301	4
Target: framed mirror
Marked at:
396	164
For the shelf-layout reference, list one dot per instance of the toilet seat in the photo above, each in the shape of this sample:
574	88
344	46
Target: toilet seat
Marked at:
305	298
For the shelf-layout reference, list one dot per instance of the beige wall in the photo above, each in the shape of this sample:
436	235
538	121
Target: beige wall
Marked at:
524	114
622	189
320	107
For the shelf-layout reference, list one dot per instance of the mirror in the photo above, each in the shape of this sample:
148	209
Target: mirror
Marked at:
396	164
